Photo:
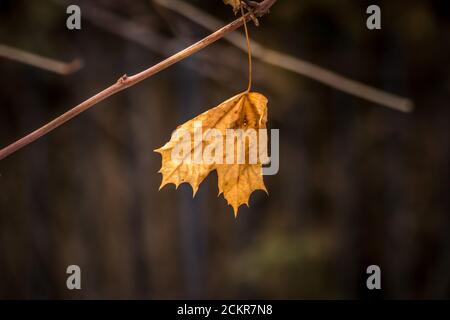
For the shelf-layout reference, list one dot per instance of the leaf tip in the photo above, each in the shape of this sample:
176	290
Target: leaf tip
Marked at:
194	191
235	210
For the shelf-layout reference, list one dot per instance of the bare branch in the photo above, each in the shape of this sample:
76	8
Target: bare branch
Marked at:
123	83
39	61
291	63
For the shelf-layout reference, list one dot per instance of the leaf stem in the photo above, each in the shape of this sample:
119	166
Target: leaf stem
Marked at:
249	50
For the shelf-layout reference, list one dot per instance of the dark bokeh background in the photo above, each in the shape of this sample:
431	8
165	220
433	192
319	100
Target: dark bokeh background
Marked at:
359	184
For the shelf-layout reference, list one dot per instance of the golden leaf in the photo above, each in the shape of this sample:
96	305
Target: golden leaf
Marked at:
202	138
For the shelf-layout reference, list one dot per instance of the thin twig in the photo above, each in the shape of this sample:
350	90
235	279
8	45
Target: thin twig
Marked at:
123	83
39	61
291	63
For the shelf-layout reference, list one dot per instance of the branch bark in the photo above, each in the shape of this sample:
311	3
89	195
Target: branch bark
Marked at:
123	83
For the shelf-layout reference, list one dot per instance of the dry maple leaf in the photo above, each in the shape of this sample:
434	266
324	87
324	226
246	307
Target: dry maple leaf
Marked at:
245	112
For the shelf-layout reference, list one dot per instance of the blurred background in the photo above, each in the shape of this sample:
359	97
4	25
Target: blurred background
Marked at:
359	184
